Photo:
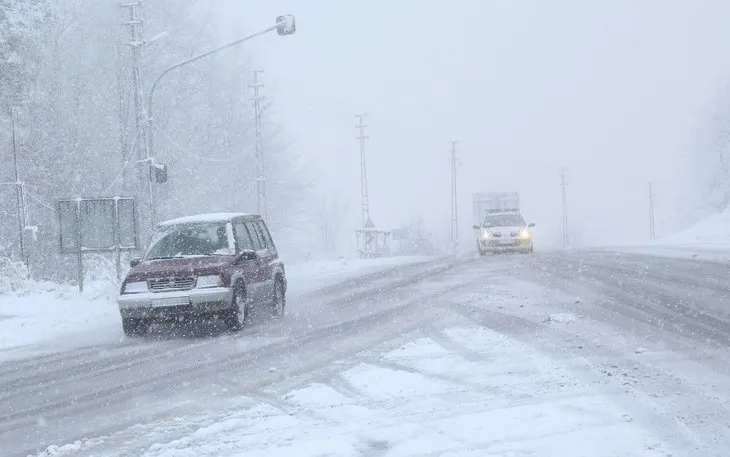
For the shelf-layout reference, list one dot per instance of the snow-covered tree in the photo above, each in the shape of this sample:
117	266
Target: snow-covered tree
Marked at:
76	125
709	161
19	22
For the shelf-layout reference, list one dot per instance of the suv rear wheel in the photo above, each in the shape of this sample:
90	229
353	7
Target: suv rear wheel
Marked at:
278	306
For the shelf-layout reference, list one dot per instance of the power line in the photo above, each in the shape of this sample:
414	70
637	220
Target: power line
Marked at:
563	184
39	200
365	206
260	175
454	200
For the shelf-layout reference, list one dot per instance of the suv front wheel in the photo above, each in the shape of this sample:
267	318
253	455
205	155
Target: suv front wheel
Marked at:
235	319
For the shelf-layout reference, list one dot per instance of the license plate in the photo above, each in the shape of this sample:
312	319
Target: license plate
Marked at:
176	301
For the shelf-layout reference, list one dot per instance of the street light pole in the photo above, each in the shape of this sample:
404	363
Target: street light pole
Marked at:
285	25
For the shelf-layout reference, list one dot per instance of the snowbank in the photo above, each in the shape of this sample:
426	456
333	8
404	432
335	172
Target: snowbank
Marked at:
708	240
51	316
713	230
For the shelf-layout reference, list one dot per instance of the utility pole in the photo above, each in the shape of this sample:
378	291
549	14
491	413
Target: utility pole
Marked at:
454	201
566	237
652	234
19	194
135	24
260	175
365	208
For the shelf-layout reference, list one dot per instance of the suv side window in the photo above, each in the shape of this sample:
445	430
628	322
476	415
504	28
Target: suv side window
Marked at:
258	243
243	238
266	234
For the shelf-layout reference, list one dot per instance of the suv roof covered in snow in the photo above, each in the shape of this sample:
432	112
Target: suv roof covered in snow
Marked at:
211	217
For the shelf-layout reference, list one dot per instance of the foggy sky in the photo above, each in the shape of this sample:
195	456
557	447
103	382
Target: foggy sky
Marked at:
612	90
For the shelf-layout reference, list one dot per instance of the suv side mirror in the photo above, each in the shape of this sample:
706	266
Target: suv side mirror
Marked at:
475	227
248	254
532	224
134	262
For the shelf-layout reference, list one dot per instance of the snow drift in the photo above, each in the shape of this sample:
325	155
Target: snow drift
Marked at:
713	229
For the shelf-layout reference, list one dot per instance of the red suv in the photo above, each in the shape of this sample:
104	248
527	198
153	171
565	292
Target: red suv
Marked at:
207	265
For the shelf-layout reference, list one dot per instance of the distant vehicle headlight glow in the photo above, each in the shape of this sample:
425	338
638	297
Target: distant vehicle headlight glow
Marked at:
485	234
524	233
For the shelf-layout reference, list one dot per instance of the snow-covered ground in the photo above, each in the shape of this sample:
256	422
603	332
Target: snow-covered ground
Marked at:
51	317
705	252
708	240
464	391
48	317
309	276
712	230
512	356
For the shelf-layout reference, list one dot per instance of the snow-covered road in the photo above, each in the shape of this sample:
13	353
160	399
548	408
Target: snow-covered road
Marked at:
556	354
45	318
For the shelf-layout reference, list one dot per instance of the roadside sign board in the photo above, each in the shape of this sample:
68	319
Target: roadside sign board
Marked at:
97	225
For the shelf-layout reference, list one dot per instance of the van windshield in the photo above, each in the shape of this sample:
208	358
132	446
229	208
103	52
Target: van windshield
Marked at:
191	240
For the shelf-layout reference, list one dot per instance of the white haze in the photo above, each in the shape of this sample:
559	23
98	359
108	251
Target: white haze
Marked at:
613	91
620	93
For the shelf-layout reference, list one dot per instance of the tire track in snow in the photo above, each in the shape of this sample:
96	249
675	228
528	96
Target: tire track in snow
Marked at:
673	410
630	297
105	396
73	368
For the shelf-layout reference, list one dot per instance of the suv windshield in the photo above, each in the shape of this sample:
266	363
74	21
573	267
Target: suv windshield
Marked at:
190	240
503	220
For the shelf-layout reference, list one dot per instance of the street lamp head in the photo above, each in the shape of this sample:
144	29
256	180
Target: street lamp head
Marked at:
286	25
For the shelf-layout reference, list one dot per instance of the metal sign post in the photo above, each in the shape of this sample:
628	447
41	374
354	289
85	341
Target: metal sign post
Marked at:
97	225
79	248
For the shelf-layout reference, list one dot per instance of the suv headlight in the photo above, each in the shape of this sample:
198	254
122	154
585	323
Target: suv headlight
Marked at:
524	233
205	282
485	235
137	287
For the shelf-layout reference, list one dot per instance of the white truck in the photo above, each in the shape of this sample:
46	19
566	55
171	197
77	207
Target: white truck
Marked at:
499	225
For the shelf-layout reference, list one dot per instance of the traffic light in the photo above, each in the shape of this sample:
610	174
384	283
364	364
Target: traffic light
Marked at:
158	173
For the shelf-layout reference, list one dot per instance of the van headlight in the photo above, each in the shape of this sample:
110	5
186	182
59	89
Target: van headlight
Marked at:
136	287
206	282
